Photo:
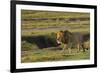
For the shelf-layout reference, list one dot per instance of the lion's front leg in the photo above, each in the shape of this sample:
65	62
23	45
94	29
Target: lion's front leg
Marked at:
64	47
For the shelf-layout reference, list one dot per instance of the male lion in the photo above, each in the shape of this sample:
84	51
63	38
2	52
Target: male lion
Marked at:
68	40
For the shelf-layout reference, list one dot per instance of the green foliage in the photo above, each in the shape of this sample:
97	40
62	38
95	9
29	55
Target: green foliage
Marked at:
26	46
52	38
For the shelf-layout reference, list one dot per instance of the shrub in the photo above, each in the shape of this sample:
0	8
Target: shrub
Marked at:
26	46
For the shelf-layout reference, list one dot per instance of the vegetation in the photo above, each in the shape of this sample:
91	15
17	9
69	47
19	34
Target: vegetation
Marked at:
52	55
51	14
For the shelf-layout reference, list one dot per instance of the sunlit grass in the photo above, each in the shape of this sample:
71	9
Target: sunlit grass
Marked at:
51	14
53	55
49	31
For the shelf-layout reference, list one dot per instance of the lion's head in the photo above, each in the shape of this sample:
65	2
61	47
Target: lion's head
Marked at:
63	36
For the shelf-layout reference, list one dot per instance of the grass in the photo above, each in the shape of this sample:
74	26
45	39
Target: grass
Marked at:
51	14
29	14
36	24
49	31
52	55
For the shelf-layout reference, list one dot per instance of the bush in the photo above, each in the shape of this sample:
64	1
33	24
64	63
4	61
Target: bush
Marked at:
26	46
52	39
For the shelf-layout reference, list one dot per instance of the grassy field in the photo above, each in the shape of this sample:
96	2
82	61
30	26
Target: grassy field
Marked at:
51	14
45	24
52	55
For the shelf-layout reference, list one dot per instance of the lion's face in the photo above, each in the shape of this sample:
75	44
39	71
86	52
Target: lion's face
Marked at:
59	37
62	37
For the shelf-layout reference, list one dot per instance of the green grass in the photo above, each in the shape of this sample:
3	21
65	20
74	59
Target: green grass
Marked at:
53	55
29	27
51	14
49	31
29	14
